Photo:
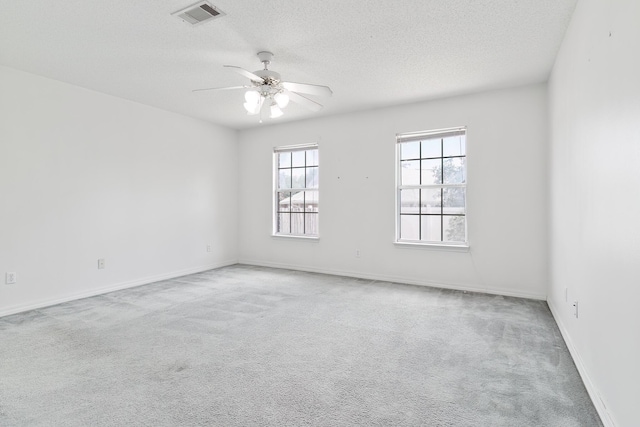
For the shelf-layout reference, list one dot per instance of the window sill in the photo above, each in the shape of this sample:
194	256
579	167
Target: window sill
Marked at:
296	237
433	246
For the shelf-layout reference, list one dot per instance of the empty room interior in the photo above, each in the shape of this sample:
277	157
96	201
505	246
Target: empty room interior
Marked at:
320	213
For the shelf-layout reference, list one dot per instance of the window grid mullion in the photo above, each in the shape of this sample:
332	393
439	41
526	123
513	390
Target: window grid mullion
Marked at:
415	187
442	191
304	198
420	195
433	158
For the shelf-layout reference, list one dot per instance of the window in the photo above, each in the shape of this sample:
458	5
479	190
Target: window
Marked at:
296	191
431	190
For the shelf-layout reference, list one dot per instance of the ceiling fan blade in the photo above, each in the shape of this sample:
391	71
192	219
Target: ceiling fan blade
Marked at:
247	74
307	88
220	88
303	100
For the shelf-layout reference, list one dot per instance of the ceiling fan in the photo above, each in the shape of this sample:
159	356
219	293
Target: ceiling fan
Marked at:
267	91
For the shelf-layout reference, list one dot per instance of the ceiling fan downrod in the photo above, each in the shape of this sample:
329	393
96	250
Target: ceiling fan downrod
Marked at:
265	57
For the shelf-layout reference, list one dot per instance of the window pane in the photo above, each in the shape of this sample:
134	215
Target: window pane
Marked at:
409	201
297	202
283	223
311	201
454	228
454	171
431	228
297	223
312	157
297	158
311	224
297	178
410	172
410	227
431	200
410	150
284	178
454	146
431	148
312	177
284	201
284	160
453	199
431	170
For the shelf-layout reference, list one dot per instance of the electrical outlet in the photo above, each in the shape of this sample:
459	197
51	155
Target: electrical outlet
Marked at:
575	309
11	278
208	248
357	253
101	264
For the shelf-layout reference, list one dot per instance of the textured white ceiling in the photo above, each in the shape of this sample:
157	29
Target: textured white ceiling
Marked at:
371	53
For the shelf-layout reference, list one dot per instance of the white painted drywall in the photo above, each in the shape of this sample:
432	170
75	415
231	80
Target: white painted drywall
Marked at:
85	176
594	96
507	194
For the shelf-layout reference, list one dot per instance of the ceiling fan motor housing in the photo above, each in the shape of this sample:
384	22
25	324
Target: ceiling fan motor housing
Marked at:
269	77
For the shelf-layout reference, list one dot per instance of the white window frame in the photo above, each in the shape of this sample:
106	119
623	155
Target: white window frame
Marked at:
419	136
276	191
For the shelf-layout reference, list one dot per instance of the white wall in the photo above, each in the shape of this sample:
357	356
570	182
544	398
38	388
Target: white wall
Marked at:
85	176
595	201
507	198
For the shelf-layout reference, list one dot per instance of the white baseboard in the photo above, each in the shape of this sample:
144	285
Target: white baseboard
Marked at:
601	408
394	279
110	288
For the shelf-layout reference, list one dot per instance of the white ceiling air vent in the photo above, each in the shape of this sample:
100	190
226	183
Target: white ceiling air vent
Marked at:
198	13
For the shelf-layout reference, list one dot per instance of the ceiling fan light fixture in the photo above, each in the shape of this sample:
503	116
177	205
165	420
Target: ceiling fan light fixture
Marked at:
275	111
281	99
254	102
252	109
252	97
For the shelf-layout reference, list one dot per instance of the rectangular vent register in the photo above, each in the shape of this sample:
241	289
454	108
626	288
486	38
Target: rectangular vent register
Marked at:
198	13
